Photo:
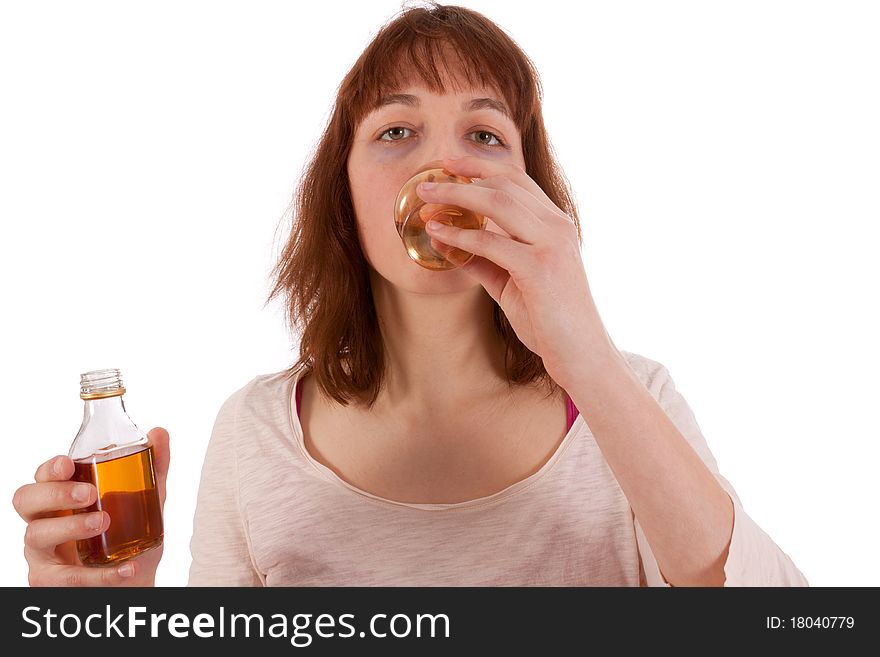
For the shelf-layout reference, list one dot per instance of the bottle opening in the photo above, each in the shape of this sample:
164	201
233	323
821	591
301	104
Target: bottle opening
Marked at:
98	384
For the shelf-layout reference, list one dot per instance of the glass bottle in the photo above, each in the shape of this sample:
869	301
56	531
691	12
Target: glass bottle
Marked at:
115	456
411	214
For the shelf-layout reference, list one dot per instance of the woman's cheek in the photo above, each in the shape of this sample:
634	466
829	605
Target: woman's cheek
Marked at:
380	238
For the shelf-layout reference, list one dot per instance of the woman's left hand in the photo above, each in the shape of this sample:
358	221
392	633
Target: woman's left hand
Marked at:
536	275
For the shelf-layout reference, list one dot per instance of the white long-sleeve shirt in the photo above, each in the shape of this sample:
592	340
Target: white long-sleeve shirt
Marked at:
269	514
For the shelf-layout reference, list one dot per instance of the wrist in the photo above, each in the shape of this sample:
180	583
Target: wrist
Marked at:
592	363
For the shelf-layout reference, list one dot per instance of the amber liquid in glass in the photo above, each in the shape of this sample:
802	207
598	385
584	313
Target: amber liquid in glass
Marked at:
418	241
411	213
127	492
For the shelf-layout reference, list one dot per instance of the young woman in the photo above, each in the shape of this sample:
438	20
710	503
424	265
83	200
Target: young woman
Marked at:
475	426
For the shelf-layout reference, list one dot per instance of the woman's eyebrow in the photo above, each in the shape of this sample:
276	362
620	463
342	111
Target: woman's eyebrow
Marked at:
468	106
486	103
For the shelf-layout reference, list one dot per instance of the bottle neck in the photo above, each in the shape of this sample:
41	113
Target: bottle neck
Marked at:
106	431
104	406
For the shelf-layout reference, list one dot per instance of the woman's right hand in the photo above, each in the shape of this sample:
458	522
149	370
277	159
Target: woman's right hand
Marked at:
53	529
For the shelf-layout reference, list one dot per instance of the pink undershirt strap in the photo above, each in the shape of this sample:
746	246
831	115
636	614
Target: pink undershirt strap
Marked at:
572	411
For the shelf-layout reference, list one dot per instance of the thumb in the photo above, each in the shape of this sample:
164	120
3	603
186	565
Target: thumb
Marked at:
159	439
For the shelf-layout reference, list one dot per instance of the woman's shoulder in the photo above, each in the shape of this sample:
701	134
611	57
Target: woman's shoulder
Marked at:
260	396
653	374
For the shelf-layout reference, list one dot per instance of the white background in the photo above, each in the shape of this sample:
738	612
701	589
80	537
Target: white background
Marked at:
724	157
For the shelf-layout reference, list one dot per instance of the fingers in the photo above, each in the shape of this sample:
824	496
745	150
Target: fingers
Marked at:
504	208
44	499
48	533
160	440
58	468
542	207
503	251
478	167
84	575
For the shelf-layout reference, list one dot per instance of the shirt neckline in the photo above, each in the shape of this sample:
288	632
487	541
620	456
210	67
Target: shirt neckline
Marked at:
479	502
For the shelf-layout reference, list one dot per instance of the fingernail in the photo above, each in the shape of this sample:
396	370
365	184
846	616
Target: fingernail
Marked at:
94	521
435	226
56	467
428	186
80	492
126	570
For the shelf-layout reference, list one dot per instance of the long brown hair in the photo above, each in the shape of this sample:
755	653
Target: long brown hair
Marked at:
322	272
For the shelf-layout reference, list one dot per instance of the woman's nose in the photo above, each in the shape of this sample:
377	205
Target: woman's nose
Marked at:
435	163
448	145
435	159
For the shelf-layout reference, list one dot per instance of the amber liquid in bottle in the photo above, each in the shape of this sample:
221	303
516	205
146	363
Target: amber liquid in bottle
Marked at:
127	492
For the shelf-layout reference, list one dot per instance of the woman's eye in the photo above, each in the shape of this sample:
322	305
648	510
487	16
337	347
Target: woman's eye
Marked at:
485	134
484	137
394	134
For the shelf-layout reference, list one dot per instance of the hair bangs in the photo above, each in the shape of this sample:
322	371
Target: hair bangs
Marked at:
442	54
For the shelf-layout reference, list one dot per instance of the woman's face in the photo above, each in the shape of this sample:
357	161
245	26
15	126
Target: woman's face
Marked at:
415	127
